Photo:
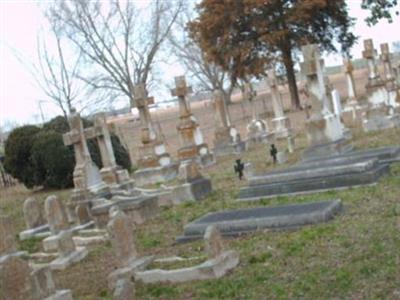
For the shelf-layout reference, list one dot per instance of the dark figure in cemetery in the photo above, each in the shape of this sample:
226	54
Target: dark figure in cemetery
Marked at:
273	151
239	167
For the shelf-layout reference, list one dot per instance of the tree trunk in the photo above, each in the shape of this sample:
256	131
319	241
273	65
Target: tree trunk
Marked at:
288	62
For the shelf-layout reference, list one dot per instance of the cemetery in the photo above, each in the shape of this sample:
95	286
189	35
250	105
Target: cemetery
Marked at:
274	186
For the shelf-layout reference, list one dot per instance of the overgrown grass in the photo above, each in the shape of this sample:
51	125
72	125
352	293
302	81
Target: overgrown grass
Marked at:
354	256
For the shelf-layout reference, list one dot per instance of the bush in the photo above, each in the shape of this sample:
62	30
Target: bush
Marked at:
52	161
18	154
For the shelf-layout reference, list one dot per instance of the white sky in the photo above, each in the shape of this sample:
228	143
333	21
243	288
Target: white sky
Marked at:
21	20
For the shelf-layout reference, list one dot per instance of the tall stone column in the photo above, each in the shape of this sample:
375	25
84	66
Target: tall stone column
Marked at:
325	132
390	78
351	88
227	138
281	123
191	138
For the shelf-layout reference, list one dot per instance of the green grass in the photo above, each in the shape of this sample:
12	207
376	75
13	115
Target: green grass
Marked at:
354	256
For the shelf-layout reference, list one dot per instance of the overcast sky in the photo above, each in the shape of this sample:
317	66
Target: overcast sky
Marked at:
20	22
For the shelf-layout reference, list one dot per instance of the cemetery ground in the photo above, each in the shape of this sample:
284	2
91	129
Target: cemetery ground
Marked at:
353	256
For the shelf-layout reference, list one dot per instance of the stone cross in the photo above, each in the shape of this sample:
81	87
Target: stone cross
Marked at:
181	90
32	213
86	174
55	214
120	230
369	54
7	239
213	242
272	82
143	101
312	68
389	74
348	70
102	134
222	113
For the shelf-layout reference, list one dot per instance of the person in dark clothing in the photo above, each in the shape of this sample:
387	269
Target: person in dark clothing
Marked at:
239	167
273	152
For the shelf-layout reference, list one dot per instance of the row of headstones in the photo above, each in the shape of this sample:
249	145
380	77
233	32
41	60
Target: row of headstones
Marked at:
18	279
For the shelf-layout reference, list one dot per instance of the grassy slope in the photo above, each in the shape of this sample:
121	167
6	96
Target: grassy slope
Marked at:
354	256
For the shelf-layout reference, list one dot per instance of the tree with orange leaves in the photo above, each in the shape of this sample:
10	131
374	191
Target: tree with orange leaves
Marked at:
248	35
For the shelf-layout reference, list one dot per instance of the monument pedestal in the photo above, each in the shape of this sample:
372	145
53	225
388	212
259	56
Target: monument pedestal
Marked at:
156	174
378	118
281	127
227	141
326	136
257	133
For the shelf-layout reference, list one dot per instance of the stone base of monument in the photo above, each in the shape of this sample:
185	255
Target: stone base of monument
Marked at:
379	118
210	269
128	271
257	133
140	209
206	160
38	232
227	141
315	176
155	175
231	148
60	295
194	190
242	221
63	262
281	127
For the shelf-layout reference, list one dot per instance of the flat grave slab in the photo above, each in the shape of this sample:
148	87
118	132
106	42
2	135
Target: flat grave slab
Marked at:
241	221
352	169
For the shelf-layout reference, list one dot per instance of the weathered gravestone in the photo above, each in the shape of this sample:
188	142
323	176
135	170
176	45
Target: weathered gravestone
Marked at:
155	164
112	174
190	136
120	229
87	178
379	115
325	132
34	220
218	264
390	78
241	221
226	137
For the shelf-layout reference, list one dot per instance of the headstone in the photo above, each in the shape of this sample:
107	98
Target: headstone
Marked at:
55	214
82	214
337	103
380	114
120	230
241	221
66	244
257	129
227	139
190	136
351	88
281	157
7	240
33	213
390	78
325	132
15	281
87	177
213	242
152	152
281	123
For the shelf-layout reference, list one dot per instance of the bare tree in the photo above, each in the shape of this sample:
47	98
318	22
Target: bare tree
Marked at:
209	77
119	39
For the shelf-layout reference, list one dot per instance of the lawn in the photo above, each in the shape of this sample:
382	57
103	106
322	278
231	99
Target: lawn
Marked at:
355	256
